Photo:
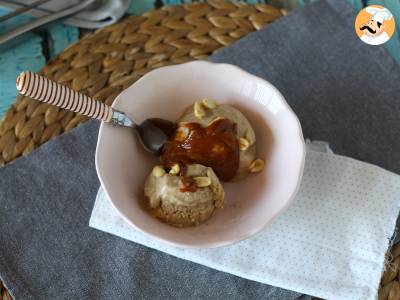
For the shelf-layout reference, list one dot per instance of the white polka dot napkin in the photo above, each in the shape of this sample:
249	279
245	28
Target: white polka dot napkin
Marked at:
330	243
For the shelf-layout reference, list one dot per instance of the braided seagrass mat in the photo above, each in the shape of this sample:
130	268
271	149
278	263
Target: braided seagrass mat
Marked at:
107	61
104	63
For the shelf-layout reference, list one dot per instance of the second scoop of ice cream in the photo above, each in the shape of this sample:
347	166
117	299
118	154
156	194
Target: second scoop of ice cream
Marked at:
169	201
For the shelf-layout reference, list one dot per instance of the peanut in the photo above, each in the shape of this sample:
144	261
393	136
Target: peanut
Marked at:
209	103
199	111
175	169
243	144
202	181
158	171
257	165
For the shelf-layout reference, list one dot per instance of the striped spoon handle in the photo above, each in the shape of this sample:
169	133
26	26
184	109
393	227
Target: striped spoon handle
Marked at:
40	88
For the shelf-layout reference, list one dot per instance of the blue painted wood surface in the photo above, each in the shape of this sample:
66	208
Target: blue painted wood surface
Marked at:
393	45
26	53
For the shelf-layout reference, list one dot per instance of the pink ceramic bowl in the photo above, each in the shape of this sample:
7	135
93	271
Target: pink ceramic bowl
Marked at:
122	165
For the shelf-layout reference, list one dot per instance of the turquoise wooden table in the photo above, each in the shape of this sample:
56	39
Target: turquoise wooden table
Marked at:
33	50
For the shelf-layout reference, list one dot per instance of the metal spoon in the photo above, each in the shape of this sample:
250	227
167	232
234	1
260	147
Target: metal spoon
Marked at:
153	133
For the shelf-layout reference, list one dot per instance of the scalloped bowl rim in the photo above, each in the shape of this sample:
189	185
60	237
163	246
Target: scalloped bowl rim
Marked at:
299	169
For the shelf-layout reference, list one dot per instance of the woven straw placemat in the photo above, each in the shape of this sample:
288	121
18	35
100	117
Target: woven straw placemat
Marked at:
104	63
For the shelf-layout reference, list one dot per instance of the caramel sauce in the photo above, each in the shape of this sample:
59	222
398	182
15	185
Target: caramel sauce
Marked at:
189	185
214	146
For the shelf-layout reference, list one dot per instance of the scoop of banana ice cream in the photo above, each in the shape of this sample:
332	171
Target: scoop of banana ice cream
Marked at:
206	111
187	200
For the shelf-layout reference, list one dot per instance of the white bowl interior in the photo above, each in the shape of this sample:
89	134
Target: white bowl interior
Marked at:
123	165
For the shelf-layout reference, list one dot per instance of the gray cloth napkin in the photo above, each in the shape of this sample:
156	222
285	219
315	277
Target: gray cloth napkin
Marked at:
343	91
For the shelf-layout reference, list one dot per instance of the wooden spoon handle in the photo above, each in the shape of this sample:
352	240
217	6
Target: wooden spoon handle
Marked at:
40	88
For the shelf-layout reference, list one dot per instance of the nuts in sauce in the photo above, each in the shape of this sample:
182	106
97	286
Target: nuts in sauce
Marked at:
214	146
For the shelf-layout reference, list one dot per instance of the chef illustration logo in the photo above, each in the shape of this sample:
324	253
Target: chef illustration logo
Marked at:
375	25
